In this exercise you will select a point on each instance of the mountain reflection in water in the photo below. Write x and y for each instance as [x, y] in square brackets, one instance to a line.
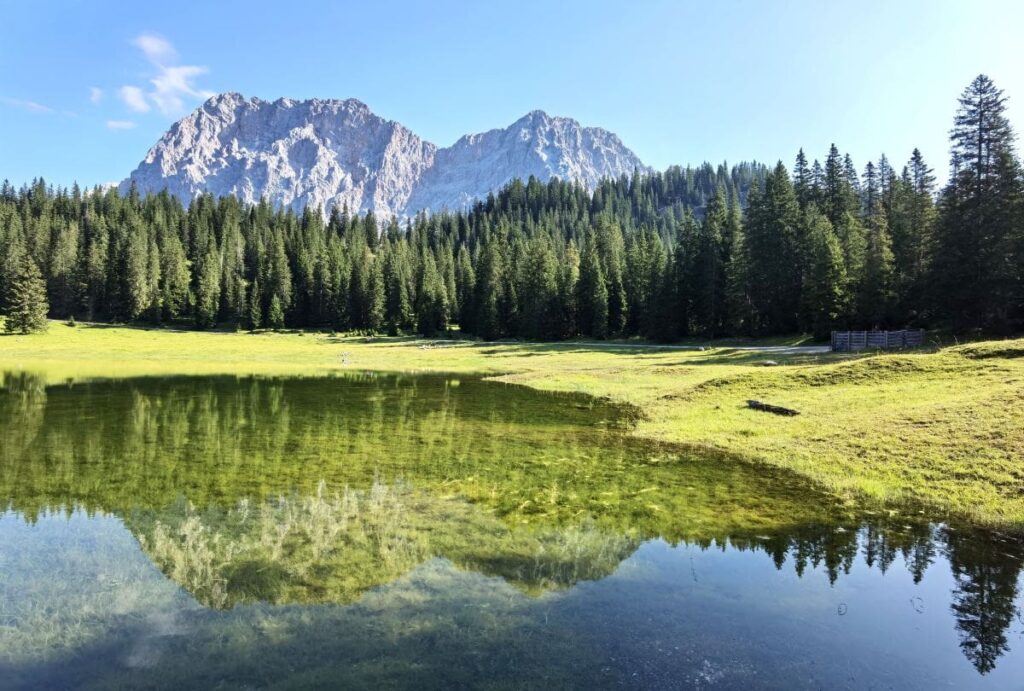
[430, 530]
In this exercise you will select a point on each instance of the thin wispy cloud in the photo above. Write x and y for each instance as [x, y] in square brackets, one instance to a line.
[157, 49]
[95, 94]
[30, 106]
[172, 85]
[134, 98]
[120, 124]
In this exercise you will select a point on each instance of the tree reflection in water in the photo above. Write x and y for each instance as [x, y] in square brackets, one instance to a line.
[314, 491]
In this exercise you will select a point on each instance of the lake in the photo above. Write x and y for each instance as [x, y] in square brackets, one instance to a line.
[440, 531]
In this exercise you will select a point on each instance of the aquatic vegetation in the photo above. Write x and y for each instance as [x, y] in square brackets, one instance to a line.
[331, 547]
[937, 427]
[259, 530]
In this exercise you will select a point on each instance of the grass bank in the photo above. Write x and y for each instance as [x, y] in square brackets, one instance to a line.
[943, 428]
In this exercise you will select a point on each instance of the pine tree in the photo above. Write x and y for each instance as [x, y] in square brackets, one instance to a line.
[398, 307]
[611, 249]
[911, 226]
[26, 296]
[593, 295]
[737, 287]
[153, 310]
[279, 282]
[431, 299]
[174, 275]
[208, 285]
[134, 283]
[465, 281]
[877, 289]
[539, 317]
[374, 296]
[62, 269]
[568, 290]
[487, 298]
[772, 255]
[255, 310]
[708, 272]
[233, 307]
[823, 276]
[976, 278]
[803, 184]
[275, 315]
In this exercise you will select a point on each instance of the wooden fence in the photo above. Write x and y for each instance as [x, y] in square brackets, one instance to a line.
[849, 341]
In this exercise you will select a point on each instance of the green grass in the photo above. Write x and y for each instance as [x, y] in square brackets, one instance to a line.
[942, 428]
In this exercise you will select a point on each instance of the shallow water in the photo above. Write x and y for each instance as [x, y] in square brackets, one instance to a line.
[435, 531]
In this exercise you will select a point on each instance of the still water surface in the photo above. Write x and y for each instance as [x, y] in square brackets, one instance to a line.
[433, 531]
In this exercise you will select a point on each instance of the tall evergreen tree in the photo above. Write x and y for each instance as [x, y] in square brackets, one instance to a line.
[465, 282]
[539, 316]
[912, 222]
[275, 315]
[771, 247]
[976, 277]
[803, 183]
[398, 307]
[255, 310]
[431, 298]
[877, 290]
[487, 299]
[708, 271]
[568, 291]
[593, 295]
[208, 285]
[823, 277]
[26, 301]
[611, 249]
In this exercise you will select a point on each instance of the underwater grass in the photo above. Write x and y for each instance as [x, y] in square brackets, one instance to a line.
[941, 428]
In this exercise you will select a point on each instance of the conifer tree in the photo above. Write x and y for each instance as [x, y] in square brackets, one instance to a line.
[254, 313]
[772, 251]
[911, 226]
[63, 269]
[465, 281]
[539, 316]
[737, 287]
[568, 290]
[610, 247]
[134, 282]
[26, 296]
[280, 273]
[374, 295]
[593, 295]
[398, 308]
[487, 298]
[803, 184]
[431, 299]
[208, 285]
[233, 305]
[823, 275]
[275, 315]
[877, 288]
[978, 235]
[174, 274]
[708, 272]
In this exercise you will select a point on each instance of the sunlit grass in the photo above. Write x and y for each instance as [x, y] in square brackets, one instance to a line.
[943, 428]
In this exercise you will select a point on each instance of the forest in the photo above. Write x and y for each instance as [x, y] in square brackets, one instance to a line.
[712, 251]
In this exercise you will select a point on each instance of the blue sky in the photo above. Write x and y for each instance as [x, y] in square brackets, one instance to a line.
[86, 87]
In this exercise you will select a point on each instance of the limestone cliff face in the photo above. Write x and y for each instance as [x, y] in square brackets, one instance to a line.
[326, 153]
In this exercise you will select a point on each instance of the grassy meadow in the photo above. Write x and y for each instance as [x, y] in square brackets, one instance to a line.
[942, 428]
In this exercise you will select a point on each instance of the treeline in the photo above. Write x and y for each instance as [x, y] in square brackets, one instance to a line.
[708, 251]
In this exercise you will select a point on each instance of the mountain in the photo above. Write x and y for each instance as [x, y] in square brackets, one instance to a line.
[338, 152]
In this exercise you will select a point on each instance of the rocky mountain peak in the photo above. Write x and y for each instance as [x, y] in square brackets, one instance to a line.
[328, 152]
